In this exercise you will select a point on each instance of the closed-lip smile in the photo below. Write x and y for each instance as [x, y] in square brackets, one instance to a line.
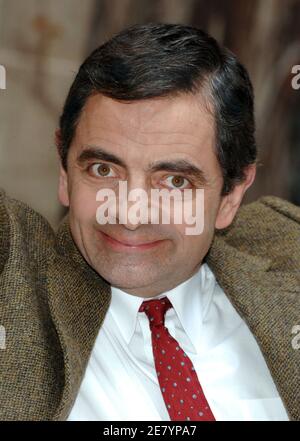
[133, 244]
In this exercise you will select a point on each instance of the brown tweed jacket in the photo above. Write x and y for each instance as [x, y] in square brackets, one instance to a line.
[52, 304]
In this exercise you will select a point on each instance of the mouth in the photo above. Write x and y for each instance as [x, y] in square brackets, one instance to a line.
[135, 245]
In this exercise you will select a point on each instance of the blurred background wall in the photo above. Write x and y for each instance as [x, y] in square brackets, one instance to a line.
[42, 44]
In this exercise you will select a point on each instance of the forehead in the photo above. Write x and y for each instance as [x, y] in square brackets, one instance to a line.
[148, 129]
[184, 114]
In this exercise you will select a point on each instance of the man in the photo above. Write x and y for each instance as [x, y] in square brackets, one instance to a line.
[129, 320]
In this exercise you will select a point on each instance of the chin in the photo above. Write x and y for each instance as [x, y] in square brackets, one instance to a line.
[129, 277]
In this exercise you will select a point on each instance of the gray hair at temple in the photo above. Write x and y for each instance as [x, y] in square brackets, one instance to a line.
[161, 60]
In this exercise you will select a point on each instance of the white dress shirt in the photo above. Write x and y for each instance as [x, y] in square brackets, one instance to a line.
[120, 382]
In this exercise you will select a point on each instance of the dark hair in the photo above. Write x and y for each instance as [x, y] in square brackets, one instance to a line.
[156, 60]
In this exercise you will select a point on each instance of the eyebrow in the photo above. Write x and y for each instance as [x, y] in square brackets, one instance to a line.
[181, 166]
[178, 166]
[99, 154]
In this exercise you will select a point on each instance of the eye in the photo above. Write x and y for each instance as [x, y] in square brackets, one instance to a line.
[101, 169]
[177, 182]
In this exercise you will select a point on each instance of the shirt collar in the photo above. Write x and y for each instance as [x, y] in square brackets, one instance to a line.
[190, 300]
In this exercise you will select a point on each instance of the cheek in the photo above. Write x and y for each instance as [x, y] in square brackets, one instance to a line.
[211, 205]
[199, 244]
[83, 204]
[196, 238]
[191, 246]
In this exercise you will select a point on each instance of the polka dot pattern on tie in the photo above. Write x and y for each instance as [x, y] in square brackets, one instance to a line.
[179, 384]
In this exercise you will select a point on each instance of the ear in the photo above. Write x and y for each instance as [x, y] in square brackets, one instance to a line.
[231, 202]
[63, 194]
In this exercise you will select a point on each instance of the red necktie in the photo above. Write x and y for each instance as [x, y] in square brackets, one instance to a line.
[177, 377]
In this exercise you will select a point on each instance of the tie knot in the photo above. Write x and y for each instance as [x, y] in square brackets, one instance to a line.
[155, 310]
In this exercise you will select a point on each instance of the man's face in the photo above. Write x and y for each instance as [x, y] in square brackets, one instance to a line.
[141, 137]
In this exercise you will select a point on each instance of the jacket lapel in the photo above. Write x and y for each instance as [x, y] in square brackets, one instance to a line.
[269, 302]
[78, 299]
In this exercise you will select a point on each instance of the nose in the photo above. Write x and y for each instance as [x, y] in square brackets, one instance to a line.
[133, 204]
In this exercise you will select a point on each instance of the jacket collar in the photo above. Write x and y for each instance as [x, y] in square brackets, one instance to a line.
[263, 297]
[79, 300]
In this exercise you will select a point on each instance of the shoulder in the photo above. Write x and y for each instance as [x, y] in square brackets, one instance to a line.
[269, 227]
[26, 244]
[31, 360]
[276, 210]
[22, 229]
